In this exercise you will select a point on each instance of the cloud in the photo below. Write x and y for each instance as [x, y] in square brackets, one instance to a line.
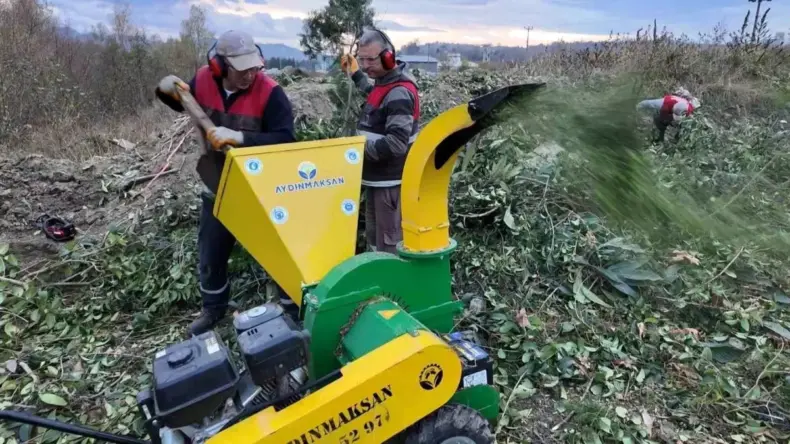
[389, 25]
[468, 2]
[262, 26]
[82, 15]
[484, 21]
[546, 14]
[276, 9]
[164, 17]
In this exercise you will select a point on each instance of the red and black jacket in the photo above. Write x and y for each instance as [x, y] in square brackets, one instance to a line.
[390, 121]
[667, 108]
[262, 111]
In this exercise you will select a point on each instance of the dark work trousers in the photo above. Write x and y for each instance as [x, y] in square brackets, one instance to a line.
[215, 244]
[662, 123]
[383, 218]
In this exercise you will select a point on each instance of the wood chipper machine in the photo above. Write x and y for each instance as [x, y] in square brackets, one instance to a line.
[373, 356]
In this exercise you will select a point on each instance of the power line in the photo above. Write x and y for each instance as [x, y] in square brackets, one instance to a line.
[528, 28]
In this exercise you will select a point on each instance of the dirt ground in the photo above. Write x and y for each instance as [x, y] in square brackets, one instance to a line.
[98, 193]
[92, 195]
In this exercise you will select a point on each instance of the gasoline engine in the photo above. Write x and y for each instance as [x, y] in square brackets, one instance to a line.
[198, 389]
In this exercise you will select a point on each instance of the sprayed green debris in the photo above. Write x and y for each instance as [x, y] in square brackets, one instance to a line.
[599, 125]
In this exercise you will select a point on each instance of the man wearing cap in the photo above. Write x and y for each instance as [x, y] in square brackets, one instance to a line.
[248, 109]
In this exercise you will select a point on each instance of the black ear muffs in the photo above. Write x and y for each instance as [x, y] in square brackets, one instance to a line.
[260, 51]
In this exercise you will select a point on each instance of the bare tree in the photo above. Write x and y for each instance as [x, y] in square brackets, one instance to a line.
[196, 36]
[758, 21]
[122, 27]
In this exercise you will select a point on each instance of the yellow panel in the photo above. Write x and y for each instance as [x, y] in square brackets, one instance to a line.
[388, 314]
[294, 206]
[378, 396]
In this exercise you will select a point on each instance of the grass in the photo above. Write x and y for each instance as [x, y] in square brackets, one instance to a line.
[69, 138]
[634, 292]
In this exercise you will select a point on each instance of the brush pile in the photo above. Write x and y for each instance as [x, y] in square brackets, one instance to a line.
[632, 292]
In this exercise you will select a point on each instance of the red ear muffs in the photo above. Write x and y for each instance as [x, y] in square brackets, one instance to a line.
[216, 64]
[387, 59]
[217, 67]
[387, 56]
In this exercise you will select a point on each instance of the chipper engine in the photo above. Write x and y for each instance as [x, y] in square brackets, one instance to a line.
[373, 356]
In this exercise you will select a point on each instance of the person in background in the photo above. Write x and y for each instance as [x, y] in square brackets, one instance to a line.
[390, 121]
[248, 109]
[670, 110]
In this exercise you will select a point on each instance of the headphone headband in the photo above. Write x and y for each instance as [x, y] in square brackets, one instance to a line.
[386, 39]
[218, 63]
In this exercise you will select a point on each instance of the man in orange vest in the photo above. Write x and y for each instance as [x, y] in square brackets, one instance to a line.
[248, 109]
[670, 110]
[390, 120]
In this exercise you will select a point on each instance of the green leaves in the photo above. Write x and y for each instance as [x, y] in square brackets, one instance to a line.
[508, 219]
[723, 352]
[777, 328]
[605, 424]
[621, 244]
[584, 294]
[52, 399]
[324, 30]
[625, 275]
[631, 271]
[781, 298]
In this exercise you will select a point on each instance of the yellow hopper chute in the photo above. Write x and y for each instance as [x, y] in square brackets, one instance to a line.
[294, 206]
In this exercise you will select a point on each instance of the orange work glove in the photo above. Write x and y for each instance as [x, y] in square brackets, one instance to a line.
[221, 136]
[348, 61]
[170, 84]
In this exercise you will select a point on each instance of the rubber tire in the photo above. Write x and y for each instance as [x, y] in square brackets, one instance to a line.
[452, 420]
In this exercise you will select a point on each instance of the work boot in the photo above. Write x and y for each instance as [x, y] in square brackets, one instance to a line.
[208, 320]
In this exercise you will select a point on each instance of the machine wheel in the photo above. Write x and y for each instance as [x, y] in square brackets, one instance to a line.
[451, 424]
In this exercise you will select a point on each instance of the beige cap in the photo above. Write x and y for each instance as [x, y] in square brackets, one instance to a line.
[239, 49]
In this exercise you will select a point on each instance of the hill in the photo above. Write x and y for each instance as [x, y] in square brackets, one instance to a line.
[281, 51]
[495, 53]
[270, 50]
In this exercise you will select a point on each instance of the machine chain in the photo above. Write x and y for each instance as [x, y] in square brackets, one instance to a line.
[351, 320]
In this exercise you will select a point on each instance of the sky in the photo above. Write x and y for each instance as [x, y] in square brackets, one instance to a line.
[462, 21]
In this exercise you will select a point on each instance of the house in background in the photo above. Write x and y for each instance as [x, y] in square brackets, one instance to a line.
[322, 63]
[425, 64]
[453, 60]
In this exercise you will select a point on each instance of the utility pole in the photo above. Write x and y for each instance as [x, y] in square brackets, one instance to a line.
[528, 28]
